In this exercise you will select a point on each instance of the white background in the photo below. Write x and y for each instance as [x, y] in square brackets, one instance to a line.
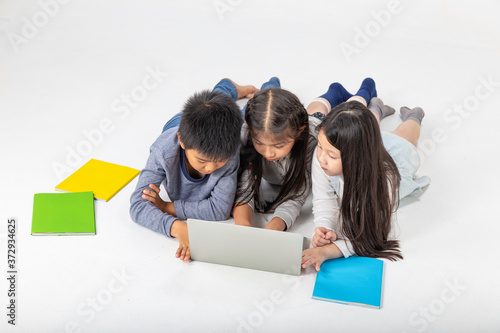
[65, 67]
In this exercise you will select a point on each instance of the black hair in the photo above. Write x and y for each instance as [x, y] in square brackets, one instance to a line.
[211, 124]
[371, 180]
[276, 111]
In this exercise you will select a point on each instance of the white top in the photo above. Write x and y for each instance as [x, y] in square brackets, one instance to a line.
[326, 206]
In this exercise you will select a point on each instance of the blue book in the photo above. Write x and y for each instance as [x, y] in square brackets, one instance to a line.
[353, 280]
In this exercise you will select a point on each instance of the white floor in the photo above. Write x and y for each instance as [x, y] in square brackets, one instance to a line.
[98, 79]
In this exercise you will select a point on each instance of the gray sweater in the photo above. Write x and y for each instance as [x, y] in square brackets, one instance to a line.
[273, 174]
[208, 198]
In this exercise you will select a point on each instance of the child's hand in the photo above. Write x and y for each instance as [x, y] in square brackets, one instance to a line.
[153, 195]
[314, 257]
[317, 255]
[179, 230]
[323, 236]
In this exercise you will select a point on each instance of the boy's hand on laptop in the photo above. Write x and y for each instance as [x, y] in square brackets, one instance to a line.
[153, 195]
[323, 236]
[179, 230]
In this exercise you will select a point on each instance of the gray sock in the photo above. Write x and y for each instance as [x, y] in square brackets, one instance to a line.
[416, 114]
[376, 105]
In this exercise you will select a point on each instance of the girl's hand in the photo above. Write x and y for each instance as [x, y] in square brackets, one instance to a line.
[314, 257]
[153, 195]
[323, 236]
[317, 255]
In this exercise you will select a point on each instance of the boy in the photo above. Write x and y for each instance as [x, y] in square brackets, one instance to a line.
[198, 160]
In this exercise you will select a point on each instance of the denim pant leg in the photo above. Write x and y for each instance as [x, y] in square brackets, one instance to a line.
[273, 82]
[224, 86]
[173, 122]
[227, 87]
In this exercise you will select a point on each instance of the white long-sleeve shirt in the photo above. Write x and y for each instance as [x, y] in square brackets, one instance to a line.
[326, 206]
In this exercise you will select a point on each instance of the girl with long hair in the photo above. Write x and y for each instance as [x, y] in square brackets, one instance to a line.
[278, 140]
[359, 175]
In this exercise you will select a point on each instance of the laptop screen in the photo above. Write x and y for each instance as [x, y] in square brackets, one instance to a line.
[228, 244]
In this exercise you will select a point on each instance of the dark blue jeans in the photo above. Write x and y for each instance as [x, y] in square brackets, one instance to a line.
[226, 87]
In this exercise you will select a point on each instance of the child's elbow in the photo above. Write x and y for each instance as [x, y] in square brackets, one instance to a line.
[221, 213]
[135, 210]
[224, 215]
[133, 213]
[220, 216]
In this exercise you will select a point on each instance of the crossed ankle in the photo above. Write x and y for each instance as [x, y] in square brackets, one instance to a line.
[416, 114]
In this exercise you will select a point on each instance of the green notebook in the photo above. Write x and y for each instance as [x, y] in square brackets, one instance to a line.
[63, 214]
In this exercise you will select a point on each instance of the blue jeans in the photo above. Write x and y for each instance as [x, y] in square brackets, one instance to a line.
[226, 87]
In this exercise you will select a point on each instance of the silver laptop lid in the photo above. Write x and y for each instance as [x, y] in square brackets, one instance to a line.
[228, 244]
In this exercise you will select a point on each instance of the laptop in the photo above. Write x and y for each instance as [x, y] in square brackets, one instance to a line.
[256, 248]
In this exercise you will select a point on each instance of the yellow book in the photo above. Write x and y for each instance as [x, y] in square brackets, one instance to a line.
[103, 178]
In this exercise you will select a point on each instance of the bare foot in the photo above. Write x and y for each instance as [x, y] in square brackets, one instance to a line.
[244, 91]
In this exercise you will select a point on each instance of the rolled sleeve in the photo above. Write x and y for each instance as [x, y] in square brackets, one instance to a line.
[345, 247]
